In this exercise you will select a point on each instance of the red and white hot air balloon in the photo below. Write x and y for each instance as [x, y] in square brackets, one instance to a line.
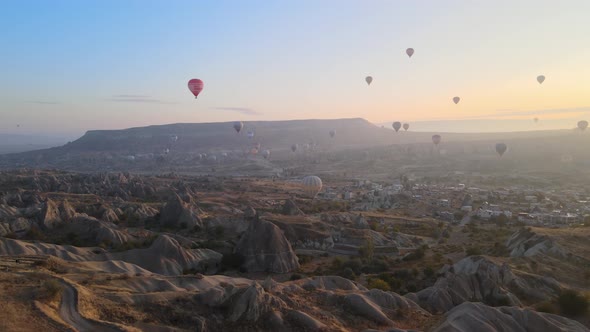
[196, 86]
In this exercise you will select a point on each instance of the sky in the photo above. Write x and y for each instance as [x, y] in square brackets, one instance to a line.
[71, 66]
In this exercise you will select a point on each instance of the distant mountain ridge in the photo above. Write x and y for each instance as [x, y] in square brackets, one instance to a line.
[185, 142]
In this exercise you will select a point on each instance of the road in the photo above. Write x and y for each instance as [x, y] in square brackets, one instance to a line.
[68, 311]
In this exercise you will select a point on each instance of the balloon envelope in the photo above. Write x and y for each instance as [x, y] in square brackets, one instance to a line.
[266, 154]
[536, 119]
[312, 185]
[396, 125]
[332, 133]
[456, 100]
[406, 126]
[501, 148]
[410, 52]
[540, 79]
[196, 86]
[583, 125]
[436, 139]
[369, 79]
[294, 147]
[238, 125]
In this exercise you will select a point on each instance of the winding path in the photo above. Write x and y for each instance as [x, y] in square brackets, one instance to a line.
[68, 311]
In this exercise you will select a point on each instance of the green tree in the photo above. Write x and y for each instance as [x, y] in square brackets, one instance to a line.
[367, 251]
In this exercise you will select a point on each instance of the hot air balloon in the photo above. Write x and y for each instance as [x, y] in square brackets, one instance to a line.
[501, 148]
[294, 147]
[332, 133]
[369, 79]
[396, 126]
[583, 125]
[250, 134]
[312, 185]
[456, 100]
[196, 86]
[436, 139]
[406, 126]
[536, 120]
[238, 125]
[266, 154]
[410, 52]
[540, 79]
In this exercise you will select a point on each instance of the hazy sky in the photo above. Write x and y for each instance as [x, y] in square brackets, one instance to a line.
[71, 66]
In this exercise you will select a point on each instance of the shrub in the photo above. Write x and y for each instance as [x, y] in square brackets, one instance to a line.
[375, 266]
[473, 251]
[348, 273]
[354, 264]
[415, 255]
[572, 304]
[547, 307]
[52, 288]
[232, 261]
[428, 272]
[336, 263]
[304, 259]
[368, 250]
[379, 284]
[296, 276]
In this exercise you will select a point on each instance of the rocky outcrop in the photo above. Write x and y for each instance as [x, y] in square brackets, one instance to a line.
[49, 216]
[477, 278]
[266, 248]
[360, 222]
[66, 211]
[291, 209]
[526, 243]
[252, 304]
[165, 256]
[109, 215]
[177, 213]
[469, 317]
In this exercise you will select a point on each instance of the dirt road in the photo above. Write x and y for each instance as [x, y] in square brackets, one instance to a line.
[68, 311]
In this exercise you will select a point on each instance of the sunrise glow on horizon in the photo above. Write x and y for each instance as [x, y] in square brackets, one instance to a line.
[70, 66]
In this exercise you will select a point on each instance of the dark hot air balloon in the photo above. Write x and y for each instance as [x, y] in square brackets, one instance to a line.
[436, 139]
[501, 148]
[238, 125]
[396, 126]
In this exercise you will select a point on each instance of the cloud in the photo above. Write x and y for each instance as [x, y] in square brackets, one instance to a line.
[44, 102]
[243, 110]
[126, 98]
[131, 96]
